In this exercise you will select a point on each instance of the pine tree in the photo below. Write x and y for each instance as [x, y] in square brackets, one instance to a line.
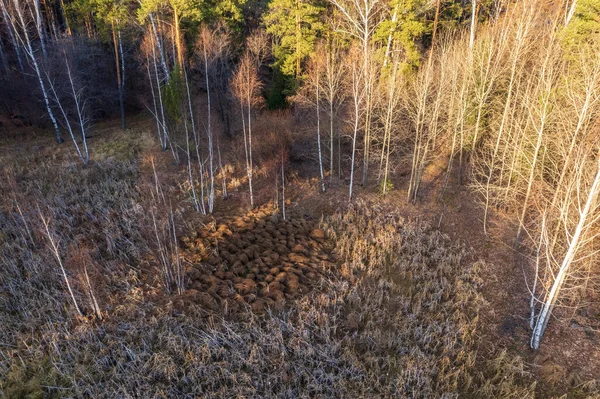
[295, 24]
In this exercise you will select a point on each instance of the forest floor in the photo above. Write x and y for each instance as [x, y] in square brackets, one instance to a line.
[240, 263]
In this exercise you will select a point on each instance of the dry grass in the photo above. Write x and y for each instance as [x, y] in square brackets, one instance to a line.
[398, 317]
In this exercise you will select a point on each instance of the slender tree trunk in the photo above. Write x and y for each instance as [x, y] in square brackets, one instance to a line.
[356, 100]
[50, 18]
[156, 113]
[202, 206]
[434, 33]
[178, 41]
[67, 122]
[298, 39]
[56, 253]
[79, 109]
[583, 119]
[387, 136]
[222, 169]
[187, 144]
[118, 70]
[505, 113]
[331, 143]
[122, 56]
[356, 116]
[419, 147]
[165, 136]
[10, 27]
[189, 164]
[550, 301]
[571, 12]
[530, 180]
[319, 133]
[39, 24]
[160, 47]
[368, 98]
[65, 18]
[546, 77]
[282, 188]
[211, 194]
[31, 55]
[473, 23]
[388, 45]
[250, 166]
[3, 58]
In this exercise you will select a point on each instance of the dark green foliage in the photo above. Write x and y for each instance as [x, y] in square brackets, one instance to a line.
[173, 95]
[281, 86]
[295, 25]
[584, 26]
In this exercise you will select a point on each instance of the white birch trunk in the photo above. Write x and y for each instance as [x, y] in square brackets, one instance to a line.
[165, 134]
[31, 55]
[319, 134]
[211, 193]
[56, 253]
[160, 47]
[79, 109]
[473, 24]
[10, 27]
[250, 166]
[39, 24]
[282, 189]
[571, 12]
[550, 300]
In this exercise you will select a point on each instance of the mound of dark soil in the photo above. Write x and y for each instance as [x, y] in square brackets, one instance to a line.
[255, 260]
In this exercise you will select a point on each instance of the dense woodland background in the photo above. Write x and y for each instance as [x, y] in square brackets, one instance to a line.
[229, 113]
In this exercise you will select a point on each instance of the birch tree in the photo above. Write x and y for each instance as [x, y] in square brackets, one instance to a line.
[362, 19]
[310, 95]
[20, 10]
[158, 111]
[10, 27]
[540, 107]
[211, 45]
[390, 105]
[519, 44]
[246, 89]
[333, 94]
[56, 252]
[358, 93]
[295, 25]
[587, 216]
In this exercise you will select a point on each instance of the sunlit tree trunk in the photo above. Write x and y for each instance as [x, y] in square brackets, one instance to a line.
[187, 142]
[570, 12]
[574, 246]
[540, 106]
[318, 109]
[516, 52]
[473, 23]
[178, 41]
[65, 18]
[209, 132]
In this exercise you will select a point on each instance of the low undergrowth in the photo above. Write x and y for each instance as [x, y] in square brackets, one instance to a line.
[397, 318]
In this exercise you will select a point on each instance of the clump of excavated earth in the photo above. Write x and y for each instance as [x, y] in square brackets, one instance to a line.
[257, 260]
